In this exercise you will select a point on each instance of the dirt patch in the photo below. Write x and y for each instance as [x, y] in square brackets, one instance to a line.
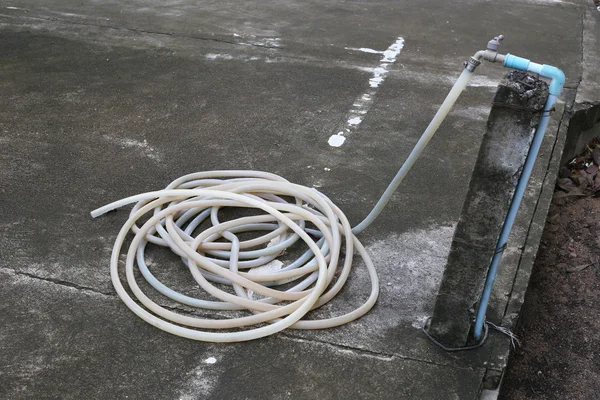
[560, 321]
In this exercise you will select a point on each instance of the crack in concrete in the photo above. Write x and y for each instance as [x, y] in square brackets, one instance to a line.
[72, 285]
[288, 336]
[340, 347]
[143, 31]
[368, 353]
[64, 283]
[57, 281]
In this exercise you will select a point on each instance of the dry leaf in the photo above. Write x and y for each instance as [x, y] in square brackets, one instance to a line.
[578, 268]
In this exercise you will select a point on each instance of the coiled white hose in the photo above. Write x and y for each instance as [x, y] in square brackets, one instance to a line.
[190, 200]
[216, 256]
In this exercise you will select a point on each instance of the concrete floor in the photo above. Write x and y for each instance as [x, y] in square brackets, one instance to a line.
[101, 100]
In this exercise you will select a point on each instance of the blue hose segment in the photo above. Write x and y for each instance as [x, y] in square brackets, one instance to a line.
[557, 76]
[512, 212]
[515, 62]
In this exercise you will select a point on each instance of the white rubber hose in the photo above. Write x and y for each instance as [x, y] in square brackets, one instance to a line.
[217, 259]
[192, 199]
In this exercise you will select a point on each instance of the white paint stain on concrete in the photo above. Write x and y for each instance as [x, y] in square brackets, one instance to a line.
[389, 56]
[364, 50]
[354, 121]
[477, 113]
[264, 42]
[336, 140]
[550, 2]
[364, 101]
[213, 56]
[379, 74]
[73, 15]
[199, 383]
[210, 360]
[220, 56]
[142, 146]
[482, 81]
[446, 81]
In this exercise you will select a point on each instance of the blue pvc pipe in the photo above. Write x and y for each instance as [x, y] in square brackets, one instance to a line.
[558, 79]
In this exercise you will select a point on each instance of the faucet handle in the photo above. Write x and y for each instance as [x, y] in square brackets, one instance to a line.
[495, 43]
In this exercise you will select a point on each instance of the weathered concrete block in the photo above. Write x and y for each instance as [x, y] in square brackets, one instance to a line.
[514, 116]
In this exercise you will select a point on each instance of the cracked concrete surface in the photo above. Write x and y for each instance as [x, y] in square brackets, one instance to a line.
[104, 99]
[57, 282]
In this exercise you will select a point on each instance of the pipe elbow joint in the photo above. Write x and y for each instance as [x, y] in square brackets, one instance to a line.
[557, 76]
